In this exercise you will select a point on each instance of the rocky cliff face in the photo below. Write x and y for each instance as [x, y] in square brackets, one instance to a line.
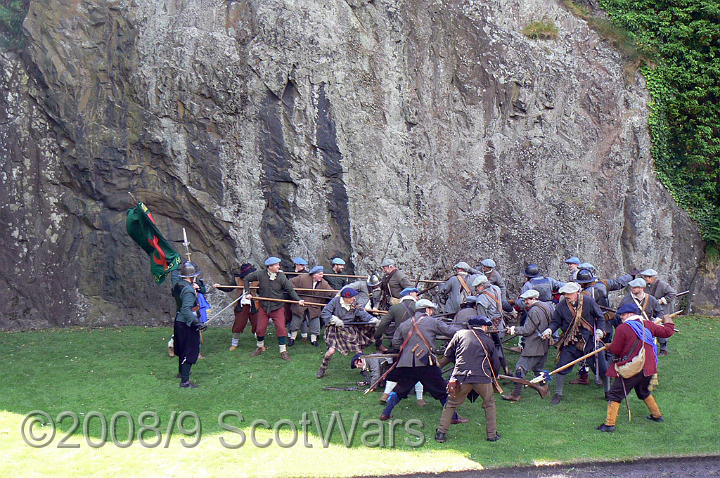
[427, 131]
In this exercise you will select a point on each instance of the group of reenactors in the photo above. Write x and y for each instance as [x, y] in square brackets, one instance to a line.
[476, 316]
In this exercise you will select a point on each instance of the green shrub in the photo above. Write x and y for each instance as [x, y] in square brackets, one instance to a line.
[682, 38]
[544, 29]
[12, 14]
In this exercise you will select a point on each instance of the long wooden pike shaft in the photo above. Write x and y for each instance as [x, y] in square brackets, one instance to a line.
[570, 364]
[296, 288]
[270, 299]
[350, 276]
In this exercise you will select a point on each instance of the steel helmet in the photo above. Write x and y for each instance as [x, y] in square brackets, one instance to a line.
[584, 276]
[189, 269]
[373, 280]
[532, 270]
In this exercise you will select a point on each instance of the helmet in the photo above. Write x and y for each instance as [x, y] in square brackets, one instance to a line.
[532, 270]
[189, 269]
[373, 280]
[584, 276]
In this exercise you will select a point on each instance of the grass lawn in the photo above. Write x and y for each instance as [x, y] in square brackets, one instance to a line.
[261, 416]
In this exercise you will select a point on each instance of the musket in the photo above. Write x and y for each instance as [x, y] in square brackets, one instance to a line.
[542, 390]
[543, 377]
[381, 356]
[682, 293]
[344, 389]
[434, 283]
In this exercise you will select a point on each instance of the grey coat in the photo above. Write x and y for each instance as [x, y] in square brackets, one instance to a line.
[455, 293]
[429, 327]
[538, 319]
[334, 307]
[660, 289]
[488, 306]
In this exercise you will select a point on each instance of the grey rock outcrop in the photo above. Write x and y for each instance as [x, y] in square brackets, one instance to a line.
[427, 131]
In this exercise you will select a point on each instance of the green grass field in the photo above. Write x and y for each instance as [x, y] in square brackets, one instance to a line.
[261, 416]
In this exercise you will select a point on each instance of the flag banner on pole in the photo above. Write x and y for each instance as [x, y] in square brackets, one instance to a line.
[141, 227]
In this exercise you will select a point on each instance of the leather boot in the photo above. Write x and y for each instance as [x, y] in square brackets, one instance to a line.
[583, 379]
[655, 414]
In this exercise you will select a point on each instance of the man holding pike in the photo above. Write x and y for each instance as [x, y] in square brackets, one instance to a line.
[311, 280]
[583, 325]
[272, 284]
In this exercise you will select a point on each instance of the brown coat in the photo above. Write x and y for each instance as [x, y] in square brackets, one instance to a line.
[305, 281]
[397, 282]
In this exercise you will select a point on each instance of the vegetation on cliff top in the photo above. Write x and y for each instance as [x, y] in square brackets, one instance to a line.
[12, 14]
[681, 38]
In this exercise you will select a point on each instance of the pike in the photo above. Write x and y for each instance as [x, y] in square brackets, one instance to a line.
[287, 301]
[542, 390]
[544, 377]
[349, 276]
[296, 288]
[186, 243]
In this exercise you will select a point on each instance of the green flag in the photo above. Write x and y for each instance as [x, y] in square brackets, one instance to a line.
[141, 227]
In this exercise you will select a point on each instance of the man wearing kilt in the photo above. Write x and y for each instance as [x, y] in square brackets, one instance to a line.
[186, 330]
[341, 334]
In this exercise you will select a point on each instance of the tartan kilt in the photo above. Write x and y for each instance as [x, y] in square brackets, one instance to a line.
[351, 338]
